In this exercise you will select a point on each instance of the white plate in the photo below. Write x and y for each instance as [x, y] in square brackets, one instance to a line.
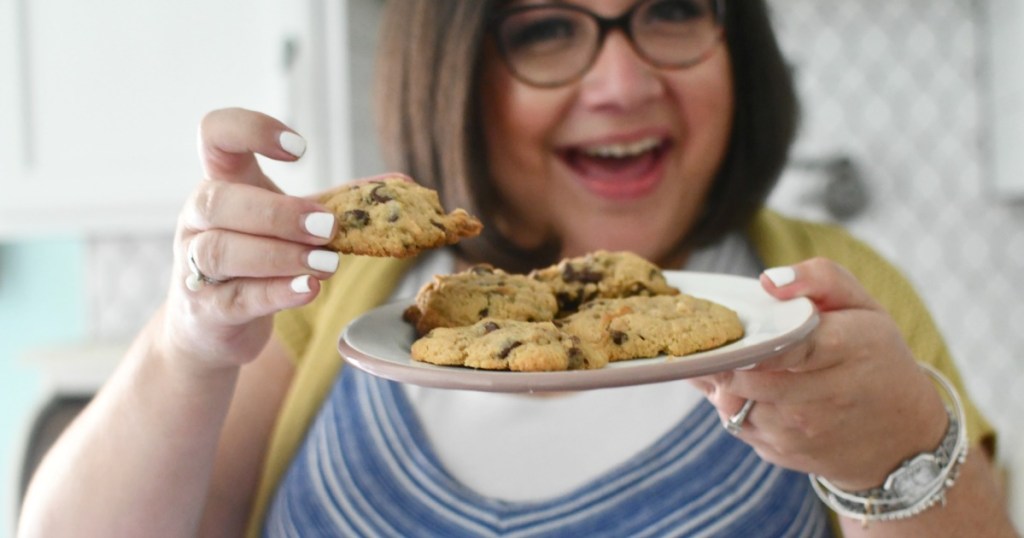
[379, 341]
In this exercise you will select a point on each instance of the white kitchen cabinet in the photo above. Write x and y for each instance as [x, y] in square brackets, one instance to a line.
[100, 102]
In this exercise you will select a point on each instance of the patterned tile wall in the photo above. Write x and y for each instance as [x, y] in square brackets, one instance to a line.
[896, 87]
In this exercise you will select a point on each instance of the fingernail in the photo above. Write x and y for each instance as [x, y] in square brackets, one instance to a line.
[320, 224]
[323, 260]
[300, 284]
[292, 143]
[781, 276]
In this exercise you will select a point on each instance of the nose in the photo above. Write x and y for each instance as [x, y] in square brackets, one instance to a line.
[619, 79]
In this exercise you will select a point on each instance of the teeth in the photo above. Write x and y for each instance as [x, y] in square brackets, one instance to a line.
[620, 151]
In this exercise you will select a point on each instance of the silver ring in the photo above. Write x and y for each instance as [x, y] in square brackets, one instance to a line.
[196, 280]
[735, 422]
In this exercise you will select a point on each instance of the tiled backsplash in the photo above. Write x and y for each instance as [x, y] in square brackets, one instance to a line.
[127, 277]
[896, 87]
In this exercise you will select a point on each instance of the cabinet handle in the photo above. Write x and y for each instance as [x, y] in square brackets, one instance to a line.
[24, 71]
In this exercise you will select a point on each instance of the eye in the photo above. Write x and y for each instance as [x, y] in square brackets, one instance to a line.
[535, 31]
[675, 11]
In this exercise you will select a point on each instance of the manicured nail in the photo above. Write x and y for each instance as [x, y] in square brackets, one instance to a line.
[300, 284]
[781, 276]
[320, 224]
[292, 143]
[323, 260]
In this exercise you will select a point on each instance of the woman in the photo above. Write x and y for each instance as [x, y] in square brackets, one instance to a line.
[568, 127]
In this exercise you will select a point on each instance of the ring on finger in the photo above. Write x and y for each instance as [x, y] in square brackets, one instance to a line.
[196, 280]
[734, 423]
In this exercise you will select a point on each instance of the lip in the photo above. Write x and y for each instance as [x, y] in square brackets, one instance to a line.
[628, 181]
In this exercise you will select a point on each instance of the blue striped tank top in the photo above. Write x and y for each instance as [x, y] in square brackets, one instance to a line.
[367, 469]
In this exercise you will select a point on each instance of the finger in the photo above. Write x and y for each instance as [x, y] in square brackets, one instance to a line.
[783, 387]
[726, 402]
[230, 138]
[253, 210]
[224, 255]
[242, 300]
[827, 284]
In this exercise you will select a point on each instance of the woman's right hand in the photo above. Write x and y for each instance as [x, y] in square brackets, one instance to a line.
[263, 246]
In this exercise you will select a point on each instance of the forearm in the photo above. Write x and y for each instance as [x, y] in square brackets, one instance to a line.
[974, 507]
[138, 460]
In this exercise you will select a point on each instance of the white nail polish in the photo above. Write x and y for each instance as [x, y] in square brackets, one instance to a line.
[781, 276]
[292, 143]
[320, 224]
[300, 284]
[323, 260]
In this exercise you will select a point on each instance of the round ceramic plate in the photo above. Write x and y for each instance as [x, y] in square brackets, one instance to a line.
[379, 341]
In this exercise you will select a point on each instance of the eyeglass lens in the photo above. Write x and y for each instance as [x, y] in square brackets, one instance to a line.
[549, 45]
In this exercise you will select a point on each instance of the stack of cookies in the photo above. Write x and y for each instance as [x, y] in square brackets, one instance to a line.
[578, 314]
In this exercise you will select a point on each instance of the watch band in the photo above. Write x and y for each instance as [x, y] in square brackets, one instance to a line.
[918, 484]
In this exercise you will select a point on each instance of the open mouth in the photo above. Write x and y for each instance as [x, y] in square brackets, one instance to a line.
[620, 169]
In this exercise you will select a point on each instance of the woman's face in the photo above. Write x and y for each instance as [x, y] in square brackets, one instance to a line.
[621, 159]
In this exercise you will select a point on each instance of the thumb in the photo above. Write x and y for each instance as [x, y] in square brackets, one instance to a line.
[826, 283]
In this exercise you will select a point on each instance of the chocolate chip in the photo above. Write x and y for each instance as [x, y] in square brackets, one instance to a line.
[379, 197]
[483, 312]
[507, 348]
[490, 327]
[585, 275]
[619, 337]
[567, 302]
[355, 218]
[577, 359]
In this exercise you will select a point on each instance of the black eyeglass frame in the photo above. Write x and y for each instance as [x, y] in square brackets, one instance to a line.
[604, 26]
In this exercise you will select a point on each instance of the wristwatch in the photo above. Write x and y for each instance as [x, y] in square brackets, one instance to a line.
[913, 479]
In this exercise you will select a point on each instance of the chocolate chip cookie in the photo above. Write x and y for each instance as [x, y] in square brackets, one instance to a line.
[480, 292]
[602, 274]
[394, 217]
[637, 327]
[520, 346]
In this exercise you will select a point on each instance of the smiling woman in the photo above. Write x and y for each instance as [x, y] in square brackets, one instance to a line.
[758, 136]
[235, 401]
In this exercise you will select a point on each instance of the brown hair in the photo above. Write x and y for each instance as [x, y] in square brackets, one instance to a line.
[429, 114]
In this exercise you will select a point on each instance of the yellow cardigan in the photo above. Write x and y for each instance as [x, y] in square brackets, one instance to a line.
[311, 333]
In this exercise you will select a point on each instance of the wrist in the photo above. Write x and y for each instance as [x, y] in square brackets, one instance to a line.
[917, 484]
[182, 358]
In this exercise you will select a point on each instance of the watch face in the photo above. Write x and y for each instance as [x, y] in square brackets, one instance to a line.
[913, 480]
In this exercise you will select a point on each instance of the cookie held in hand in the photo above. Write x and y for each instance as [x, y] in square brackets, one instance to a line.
[394, 217]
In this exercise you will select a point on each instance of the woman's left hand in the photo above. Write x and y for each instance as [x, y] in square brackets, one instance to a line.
[849, 402]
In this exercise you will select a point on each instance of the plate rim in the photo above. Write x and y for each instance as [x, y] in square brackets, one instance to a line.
[640, 371]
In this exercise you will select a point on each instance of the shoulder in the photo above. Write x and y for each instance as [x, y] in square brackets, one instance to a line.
[782, 240]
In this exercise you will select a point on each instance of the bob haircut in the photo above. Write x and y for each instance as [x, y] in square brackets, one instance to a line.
[428, 110]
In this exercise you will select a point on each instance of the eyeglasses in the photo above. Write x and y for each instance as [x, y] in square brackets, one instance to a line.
[554, 44]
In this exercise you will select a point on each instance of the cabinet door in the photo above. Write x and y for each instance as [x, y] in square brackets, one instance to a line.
[1004, 32]
[100, 103]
